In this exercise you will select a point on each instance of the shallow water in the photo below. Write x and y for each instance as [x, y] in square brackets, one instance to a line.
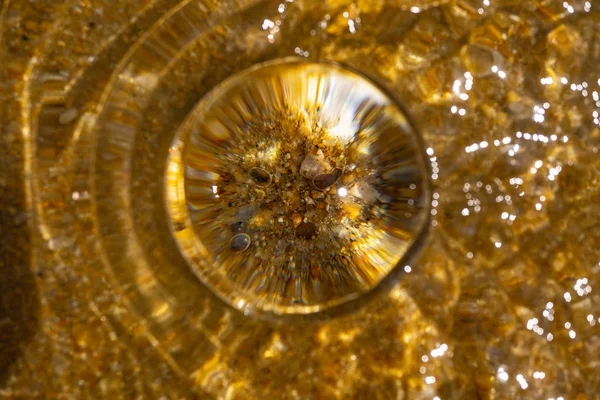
[99, 298]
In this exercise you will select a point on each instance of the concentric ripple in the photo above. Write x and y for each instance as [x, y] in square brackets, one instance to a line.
[296, 186]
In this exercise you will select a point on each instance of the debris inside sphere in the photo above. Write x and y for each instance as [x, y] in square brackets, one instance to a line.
[323, 181]
[261, 177]
[240, 242]
[306, 230]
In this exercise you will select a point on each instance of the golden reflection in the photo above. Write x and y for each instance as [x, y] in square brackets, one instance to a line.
[98, 297]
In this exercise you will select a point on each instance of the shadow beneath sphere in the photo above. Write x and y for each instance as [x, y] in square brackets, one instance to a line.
[19, 299]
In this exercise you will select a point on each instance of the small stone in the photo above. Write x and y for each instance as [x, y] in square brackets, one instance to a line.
[347, 179]
[261, 177]
[352, 210]
[296, 219]
[68, 116]
[306, 230]
[240, 242]
[365, 191]
[341, 231]
[263, 218]
[323, 181]
[316, 194]
[245, 213]
[313, 165]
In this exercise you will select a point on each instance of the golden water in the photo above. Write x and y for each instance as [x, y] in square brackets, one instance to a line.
[102, 297]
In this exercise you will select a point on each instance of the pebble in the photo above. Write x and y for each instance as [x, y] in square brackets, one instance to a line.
[296, 219]
[306, 230]
[323, 181]
[313, 165]
[365, 191]
[245, 213]
[240, 242]
[261, 177]
[68, 116]
[317, 194]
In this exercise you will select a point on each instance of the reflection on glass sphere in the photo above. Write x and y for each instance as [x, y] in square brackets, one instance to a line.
[304, 186]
